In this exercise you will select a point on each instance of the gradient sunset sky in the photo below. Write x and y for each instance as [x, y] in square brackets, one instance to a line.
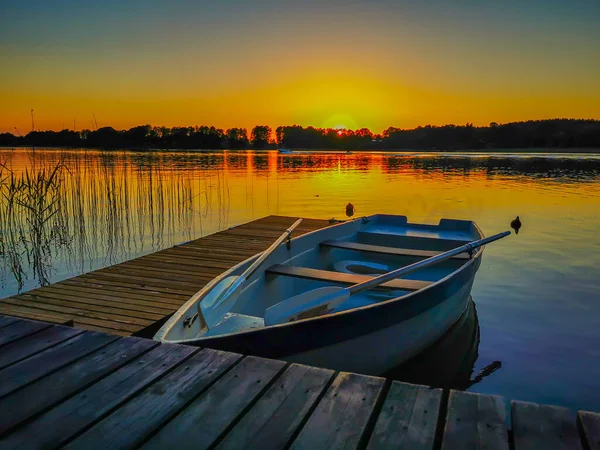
[323, 63]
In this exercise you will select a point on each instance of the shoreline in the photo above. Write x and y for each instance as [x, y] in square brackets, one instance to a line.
[531, 151]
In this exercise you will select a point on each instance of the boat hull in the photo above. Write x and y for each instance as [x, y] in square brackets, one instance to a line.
[370, 340]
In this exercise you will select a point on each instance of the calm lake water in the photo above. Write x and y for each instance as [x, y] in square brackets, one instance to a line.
[536, 296]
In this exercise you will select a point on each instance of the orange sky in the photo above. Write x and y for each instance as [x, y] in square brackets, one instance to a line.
[387, 64]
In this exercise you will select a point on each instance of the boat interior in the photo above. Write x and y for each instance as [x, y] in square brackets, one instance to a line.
[331, 258]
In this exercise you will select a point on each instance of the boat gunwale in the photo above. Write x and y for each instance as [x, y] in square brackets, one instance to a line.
[198, 296]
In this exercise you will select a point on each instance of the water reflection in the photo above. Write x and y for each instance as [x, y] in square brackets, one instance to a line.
[450, 361]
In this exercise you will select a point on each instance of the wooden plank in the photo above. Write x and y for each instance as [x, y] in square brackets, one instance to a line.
[21, 374]
[125, 289]
[143, 282]
[215, 251]
[192, 264]
[408, 418]
[388, 250]
[178, 270]
[475, 421]
[341, 417]
[88, 304]
[66, 307]
[197, 264]
[127, 428]
[77, 322]
[343, 278]
[224, 247]
[91, 297]
[542, 426]
[68, 419]
[20, 329]
[101, 319]
[277, 415]
[205, 247]
[218, 407]
[47, 391]
[186, 278]
[128, 282]
[30, 345]
[84, 326]
[151, 279]
[589, 424]
[33, 314]
[4, 321]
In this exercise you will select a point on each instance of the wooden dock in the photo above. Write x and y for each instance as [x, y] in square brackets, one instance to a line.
[67, 387]
[132, 297]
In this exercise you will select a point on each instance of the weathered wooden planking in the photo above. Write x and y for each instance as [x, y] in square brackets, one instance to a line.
[542, 426]
[128, 282]
[34, 314]
[79, 300]
[66, 420]
[341, 417]
[589, 424]
[127, 428]
[180, 280]
[205, 419]
[43, 393]
[111, 394]
[475, 421]
[19, 329]
[277, 415]
[150, 279]
[124, 290]
[32, 344]
[195, 264]
[51, 314]
[143, 303]
[31, 369]
[76, 311]
[408, 418]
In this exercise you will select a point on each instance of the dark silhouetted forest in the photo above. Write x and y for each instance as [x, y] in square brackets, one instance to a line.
[553, 133]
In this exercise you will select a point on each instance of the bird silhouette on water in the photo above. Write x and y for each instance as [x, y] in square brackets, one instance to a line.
[349, 209]
[516, 225]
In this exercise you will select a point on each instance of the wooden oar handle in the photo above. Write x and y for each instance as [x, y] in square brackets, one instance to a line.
[373, 282]
[256, 264]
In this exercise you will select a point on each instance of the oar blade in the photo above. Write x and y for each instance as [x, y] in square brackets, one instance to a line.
[215, 305]
[308, 304]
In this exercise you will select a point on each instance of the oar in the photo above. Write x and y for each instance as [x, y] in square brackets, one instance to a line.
[323, 300]
[230, 287]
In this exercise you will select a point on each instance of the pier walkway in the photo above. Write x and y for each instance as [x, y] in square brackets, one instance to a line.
[67, 387]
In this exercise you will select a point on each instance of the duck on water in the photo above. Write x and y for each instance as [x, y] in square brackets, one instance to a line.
[334, 297]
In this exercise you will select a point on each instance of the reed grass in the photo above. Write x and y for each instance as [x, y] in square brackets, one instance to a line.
[77, 211]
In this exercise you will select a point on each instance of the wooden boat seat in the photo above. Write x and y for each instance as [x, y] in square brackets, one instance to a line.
[387, 250]
[343, 278]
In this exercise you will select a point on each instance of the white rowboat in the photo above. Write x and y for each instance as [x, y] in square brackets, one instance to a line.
[332, 298]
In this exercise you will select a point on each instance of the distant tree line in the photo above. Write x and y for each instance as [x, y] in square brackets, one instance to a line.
[552, 133]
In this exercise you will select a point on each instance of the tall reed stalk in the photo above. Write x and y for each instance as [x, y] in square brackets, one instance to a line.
[31, 225]
[70, 212]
